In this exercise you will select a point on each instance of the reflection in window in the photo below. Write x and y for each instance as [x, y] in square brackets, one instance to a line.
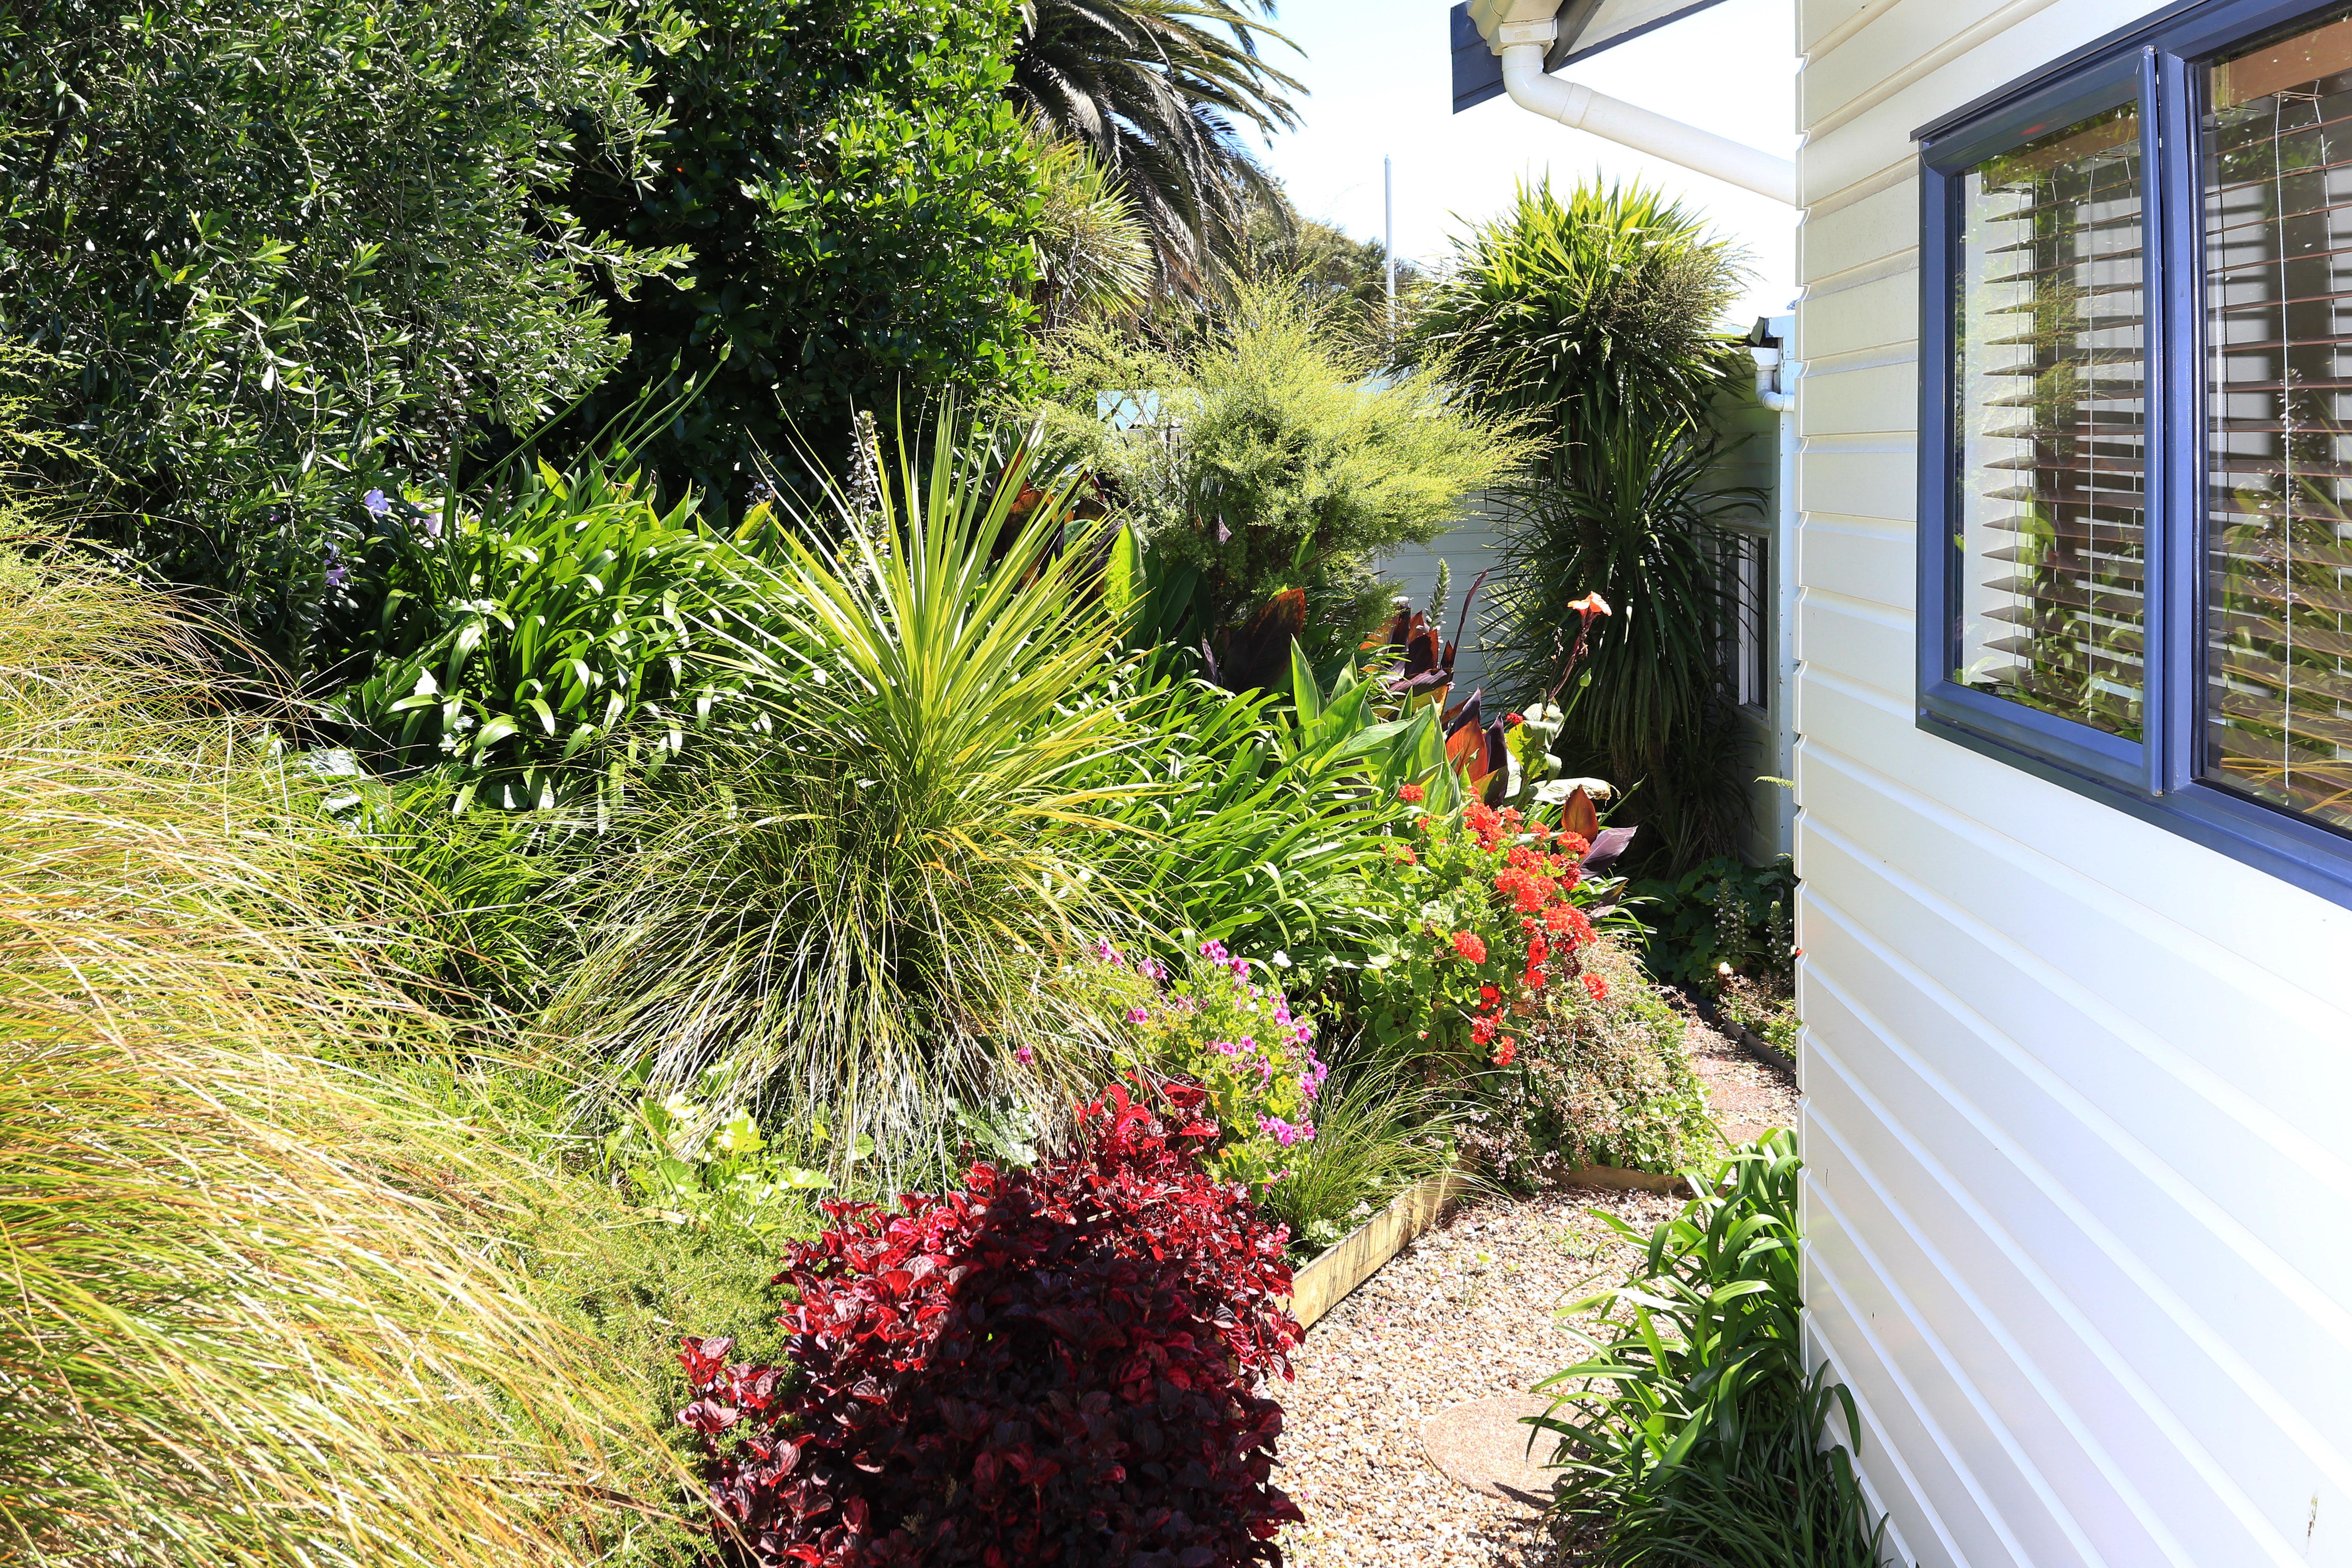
[2278, 303]
[2051, 420]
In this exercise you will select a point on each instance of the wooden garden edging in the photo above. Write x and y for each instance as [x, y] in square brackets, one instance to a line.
[1324, 1283]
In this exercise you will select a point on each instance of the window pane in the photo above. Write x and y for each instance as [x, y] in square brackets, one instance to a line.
[2278, 303]
[2051, 420]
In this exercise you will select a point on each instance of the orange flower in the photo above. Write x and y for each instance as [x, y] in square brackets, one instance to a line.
[1590, 605]
[1596, 988]
[1411, 793]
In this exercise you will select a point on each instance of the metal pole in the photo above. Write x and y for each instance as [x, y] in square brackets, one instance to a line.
[1387, 238]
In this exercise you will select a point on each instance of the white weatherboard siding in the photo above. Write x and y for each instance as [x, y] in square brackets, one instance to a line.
[2079, 1124]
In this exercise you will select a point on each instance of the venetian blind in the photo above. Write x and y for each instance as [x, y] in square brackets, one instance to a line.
[2278, 307]
[2051, 366]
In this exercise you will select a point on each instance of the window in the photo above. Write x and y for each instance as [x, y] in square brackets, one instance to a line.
[1748, 634]
[2136, 472]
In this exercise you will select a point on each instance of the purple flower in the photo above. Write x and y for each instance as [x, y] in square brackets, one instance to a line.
[432, 525]
[338, 574]
[374, 501]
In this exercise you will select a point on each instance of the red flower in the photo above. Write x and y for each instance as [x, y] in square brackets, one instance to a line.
[1482, 1030]
[1503, 1055]
[1411, 793]
[1469, 944]
[1514, 719]
[1596, 988]
[1488, 996]
[1481, 819]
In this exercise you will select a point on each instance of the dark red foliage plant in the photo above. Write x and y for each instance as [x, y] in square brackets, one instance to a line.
[1059, 1367]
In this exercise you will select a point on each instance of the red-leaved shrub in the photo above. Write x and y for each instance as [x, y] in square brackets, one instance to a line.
[1051, 1366]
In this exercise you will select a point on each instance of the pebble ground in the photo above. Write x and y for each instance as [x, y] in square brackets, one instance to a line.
[1467, 1312]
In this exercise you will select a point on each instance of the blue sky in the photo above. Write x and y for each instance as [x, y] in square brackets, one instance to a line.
[1380, 74]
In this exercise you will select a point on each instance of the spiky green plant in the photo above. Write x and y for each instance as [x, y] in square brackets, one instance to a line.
[1697, 1435]
[1599, 305]
[1093, 250]
[880, 913]
[254, 1315]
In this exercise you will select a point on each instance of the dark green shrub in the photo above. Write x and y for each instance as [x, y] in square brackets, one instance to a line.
[1723, 917]
[860, 200]
[284, 252]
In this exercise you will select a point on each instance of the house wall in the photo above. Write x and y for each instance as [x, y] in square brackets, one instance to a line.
[2078, 1087]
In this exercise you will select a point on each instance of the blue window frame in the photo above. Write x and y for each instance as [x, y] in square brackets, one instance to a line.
[2135, 568]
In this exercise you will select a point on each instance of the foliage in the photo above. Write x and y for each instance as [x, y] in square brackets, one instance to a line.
[1239, 1043]
[1722, 917]
[1094, 252]
[1597, 311]
[1600, 1079]
[1695, 1435]
[693, 1164]
[568, 627]
[255, 1297]
[1485, 925]
[868, 918]
[860, 200]
[1633, 517]
[493, 899]
[1162, 91]
[1276, 458]
[286, 250]
[1261, 824]
[1049, 1365]
[1377, 1130]
[1327, 264]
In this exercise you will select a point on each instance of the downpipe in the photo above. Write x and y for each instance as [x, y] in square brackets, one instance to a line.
[1578, 106]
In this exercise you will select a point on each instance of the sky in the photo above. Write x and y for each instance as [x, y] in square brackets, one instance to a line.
[1379, 78]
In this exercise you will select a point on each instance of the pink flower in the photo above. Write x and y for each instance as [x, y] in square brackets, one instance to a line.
[1138, 1015]
[1214, 950]
[1108, 954]
[1024, 1056]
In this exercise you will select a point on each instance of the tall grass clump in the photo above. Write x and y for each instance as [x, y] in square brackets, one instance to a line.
[252, 1313]
[1696, 1436]
[882, 913]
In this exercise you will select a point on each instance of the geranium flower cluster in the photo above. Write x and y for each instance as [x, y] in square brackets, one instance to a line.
[1495, 924]
[1238, 1040]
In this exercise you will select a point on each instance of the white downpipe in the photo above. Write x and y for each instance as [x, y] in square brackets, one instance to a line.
[1575, 105]
[1776, 377]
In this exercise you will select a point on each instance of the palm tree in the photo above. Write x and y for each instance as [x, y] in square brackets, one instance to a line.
[1162, 93]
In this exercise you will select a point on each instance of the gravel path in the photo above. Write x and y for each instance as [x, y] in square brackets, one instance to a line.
[1464, 1313]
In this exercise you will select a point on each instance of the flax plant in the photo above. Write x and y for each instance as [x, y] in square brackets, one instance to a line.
[883, 912]
[252, 1313]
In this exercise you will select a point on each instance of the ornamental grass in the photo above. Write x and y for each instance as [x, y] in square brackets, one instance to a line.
[253, 1313]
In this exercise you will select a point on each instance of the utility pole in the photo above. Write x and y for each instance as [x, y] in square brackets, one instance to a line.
[1387, 238]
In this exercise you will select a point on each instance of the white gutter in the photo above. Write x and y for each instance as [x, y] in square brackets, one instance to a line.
[1522, 45]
